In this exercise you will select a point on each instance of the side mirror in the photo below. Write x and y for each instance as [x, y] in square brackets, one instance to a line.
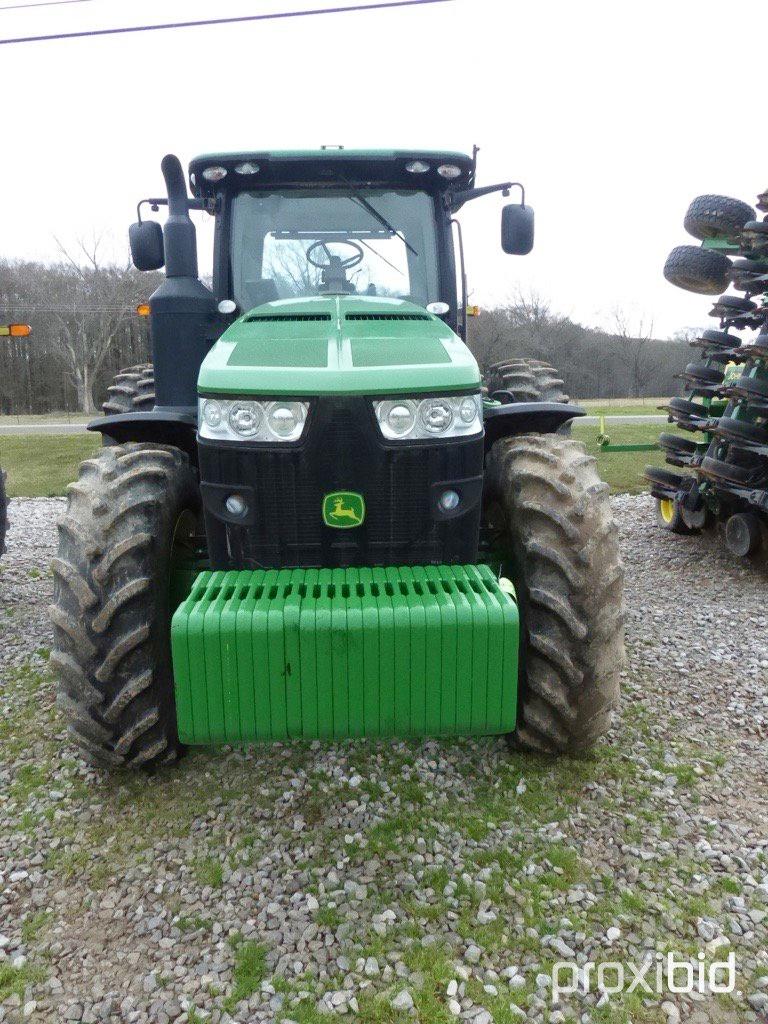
[517, 229]
[147, 249]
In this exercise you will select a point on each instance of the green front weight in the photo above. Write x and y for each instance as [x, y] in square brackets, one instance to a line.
[270, 655]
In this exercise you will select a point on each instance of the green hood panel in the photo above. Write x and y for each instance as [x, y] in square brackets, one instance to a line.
[338, 344]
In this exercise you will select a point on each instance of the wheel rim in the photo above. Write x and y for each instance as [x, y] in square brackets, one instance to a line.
[667, 509]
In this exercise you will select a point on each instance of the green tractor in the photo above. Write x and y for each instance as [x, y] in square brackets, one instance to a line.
[306, 521]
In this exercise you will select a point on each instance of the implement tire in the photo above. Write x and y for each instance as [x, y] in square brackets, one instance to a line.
[132, 390]
[716, 217]
[693, 269]
[111, 607]
[3, 512]
[549, 510]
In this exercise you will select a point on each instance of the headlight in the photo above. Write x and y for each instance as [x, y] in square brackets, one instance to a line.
[244, 419]
[396, 418]
[449, 416]
[436, 415]
[286, 420]
[211, 413]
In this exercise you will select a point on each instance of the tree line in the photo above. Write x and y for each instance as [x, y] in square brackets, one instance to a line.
[624, 361]
[85, 329]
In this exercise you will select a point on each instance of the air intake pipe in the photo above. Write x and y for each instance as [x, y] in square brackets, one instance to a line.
[184, 321]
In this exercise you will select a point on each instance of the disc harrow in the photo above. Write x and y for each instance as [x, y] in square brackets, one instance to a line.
[725, 389]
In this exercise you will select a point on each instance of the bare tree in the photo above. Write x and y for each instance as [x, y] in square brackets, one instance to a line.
[89, 304]
[635, 351]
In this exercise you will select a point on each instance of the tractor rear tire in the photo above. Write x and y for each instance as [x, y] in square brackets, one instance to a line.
[111, 608]
[529, 380]
[716, 217]
[703, 271]
[3, 512]
[550, 512]
[132, 390]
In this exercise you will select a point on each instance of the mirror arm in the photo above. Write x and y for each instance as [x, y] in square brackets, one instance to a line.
[155, 204]
[453, 200]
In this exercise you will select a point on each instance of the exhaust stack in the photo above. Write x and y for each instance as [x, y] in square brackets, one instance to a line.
[184, 321]
[179, 231]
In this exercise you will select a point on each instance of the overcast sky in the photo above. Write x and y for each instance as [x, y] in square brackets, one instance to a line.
[613, 114]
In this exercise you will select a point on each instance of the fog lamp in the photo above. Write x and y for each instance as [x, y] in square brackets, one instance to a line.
[236, 505]
[449, 500]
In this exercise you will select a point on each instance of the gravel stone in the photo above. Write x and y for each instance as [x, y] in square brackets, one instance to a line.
[403, 1001]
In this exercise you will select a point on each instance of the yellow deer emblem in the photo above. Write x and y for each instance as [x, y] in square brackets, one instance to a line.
[343, 505]
[340, 510]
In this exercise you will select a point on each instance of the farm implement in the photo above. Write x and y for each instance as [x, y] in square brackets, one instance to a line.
[725, 407]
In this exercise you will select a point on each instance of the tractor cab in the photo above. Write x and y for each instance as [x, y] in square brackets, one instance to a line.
[333, 221]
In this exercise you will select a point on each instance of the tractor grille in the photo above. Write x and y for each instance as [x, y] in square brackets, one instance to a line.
[342, 451]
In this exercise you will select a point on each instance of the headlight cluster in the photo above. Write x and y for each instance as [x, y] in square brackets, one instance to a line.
[417, 419]
[241, 419]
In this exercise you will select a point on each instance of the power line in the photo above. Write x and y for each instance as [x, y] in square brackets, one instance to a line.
[220, 21]
[46, 3]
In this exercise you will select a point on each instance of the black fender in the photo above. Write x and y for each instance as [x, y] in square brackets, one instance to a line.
[526, 417]
[177, 427]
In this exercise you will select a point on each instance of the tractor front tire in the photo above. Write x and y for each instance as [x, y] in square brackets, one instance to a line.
[132, 390]
[548, 511]
[112, 610]
[3, 512]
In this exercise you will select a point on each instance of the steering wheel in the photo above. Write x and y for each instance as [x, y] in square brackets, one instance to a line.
[344, 264]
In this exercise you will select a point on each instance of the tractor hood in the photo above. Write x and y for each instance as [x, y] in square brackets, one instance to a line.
[338, 344]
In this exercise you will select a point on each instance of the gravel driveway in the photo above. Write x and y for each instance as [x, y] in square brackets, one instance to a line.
[429, 881]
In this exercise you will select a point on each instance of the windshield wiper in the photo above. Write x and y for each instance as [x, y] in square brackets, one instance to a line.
[362, 201]
[377, 253]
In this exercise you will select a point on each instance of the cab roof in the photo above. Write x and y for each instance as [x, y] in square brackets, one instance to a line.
[385, 167]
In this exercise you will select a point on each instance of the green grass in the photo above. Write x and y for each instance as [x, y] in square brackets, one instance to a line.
[46, 417]
[209, 871]
[33, 926]
[621, 406]
[42, 466]
[249, 971]
[624, 470]
[14, 980]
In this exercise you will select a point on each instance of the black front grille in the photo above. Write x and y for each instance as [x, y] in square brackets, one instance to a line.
[342, 451]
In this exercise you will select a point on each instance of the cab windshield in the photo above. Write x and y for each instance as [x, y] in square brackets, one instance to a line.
[300, 242]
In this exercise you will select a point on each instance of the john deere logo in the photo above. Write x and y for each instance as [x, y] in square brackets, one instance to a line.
[343, 509]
